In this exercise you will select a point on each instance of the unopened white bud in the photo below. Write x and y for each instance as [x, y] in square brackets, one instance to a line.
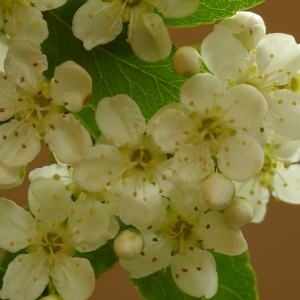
[52, 297]
[246, 26]
[128, 244]
[186, 61]
[217, 191]
[240, 212]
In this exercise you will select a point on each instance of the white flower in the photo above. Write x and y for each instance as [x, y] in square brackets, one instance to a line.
[89, 221]
[98, 22]
[183, 241]
[49, 247]
[271, 65]
[23, 18]
[279, 175]
[128, 155]
[246, 26]
[38, 107]
[207, 124]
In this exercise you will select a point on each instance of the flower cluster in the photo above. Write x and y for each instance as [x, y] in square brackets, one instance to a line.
[99, 22]
[183, 183]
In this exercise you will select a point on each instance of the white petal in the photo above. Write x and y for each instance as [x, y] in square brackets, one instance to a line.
[11, 177]
[9, 104]
[171, 129]
[16, 226]
[19, 143]
[94, 223]
[100, 168]
[220, 235]
[240, 157]
[283, 114]
[285, 53]
[184, 196]
[49, 216]
[71, 86]
[25, 64]
[284, 149]
[97, 23]
[42, 5]
[73, 277]
[195, 273]
[50, 171]
[245, 106]
[27, 23]
[120, 120]
[150, 41]
[25, 278]
[192, 162]
[176, 8]
[248, 27]
[140, 206]
[50, 192]
[4, 42]
[224, 55]
[66, 130]
[201, 93]
[155, 257]
[286, 184]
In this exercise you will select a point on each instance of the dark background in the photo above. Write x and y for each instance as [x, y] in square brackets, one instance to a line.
[274, 244]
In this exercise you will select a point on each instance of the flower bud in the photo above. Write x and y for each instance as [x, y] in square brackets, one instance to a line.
[217, 191]
[128, 244]
[11, 177]
[246, 26]
[52, 297]
[240, 212]
[186, 61]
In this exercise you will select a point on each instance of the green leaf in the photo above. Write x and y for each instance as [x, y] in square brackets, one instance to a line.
[101, 259]
[113, 67]
[210, 11]
[237, 281]
[2, 273]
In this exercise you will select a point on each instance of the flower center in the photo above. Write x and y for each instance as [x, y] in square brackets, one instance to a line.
[210, 128]
[269, 167]
[143, 157]
[132, 3]
[52, 243]
[179, 230]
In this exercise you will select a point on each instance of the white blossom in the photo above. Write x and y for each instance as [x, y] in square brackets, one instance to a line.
[268, 67]
[50, 247]
[38, 107]
[183, 240]
[208, 123]
[279, 175]
[98, 22]
[90, 222]
[23, 18]
[129, 162]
